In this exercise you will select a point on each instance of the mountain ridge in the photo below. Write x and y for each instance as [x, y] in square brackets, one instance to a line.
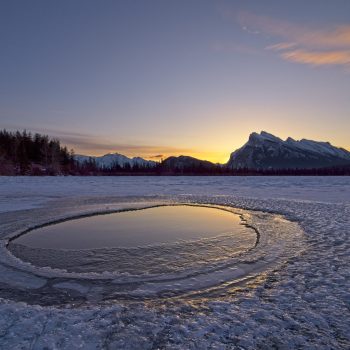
[110, 160]
[185, 162]
[22, 153]
[262, 151]
[266, 151]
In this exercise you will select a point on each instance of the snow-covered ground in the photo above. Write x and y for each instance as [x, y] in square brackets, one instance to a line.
[290, 291]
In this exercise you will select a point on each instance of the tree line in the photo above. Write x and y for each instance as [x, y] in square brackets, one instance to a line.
[23, 153]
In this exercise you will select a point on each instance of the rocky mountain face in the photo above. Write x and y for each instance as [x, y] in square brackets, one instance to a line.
[111, 159]
[266, 151]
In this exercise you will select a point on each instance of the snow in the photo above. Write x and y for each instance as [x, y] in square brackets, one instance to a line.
[291, 291]
[71, 285]
[18, 193]
[267, 136]
[265, 146]
[318, 147]
[323, 148]
[22, 280]
[110, 159]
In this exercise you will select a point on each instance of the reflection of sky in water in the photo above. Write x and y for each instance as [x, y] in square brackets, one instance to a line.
[134, 228]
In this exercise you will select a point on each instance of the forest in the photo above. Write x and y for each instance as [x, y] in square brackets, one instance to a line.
[22, 153]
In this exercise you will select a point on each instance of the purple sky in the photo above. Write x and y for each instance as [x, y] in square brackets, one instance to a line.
[175, 77]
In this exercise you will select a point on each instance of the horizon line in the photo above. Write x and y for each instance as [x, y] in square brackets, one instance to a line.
[89, 142]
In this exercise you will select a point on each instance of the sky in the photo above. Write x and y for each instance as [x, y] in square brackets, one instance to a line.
[157, 78]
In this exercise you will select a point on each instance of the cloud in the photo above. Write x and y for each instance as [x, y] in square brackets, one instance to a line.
[337, 36]
[318, 58]
[96, 146]
[157, 156]
[250, 31]
[281, 46]
[299, 43]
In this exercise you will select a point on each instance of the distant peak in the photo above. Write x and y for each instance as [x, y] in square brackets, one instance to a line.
[266, 134]
[254, 136]
[113, 154]
[269, 136]
[263, 136]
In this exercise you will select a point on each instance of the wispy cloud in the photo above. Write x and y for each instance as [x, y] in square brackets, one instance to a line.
[318, 58]
[157, 156]
[98, 146]
[281, 46]
[95, 146]
[299, 43]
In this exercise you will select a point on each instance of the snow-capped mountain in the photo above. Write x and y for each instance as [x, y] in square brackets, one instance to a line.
[262, 151]
[266, 151]
[111, 159]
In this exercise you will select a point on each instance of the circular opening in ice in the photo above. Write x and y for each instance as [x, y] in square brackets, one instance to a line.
[135, 228]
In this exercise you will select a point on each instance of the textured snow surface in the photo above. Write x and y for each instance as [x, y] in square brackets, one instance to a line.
[297, 297]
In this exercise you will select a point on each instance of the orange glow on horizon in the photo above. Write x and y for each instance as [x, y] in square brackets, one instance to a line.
[214, 157]
[215, 147]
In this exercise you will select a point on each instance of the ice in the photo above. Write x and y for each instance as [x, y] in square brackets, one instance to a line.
[20, 279]
[19, 193]
[73, 286]
[301, 302]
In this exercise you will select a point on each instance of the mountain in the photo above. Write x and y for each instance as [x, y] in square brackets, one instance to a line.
[111, 159]
[186, 163]
[262, 151]
[266, 151]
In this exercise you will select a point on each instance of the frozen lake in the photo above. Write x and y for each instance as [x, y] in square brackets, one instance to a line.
[25, 192]
[288, 288]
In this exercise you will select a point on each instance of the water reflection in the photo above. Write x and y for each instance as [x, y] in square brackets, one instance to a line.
[165, 224]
